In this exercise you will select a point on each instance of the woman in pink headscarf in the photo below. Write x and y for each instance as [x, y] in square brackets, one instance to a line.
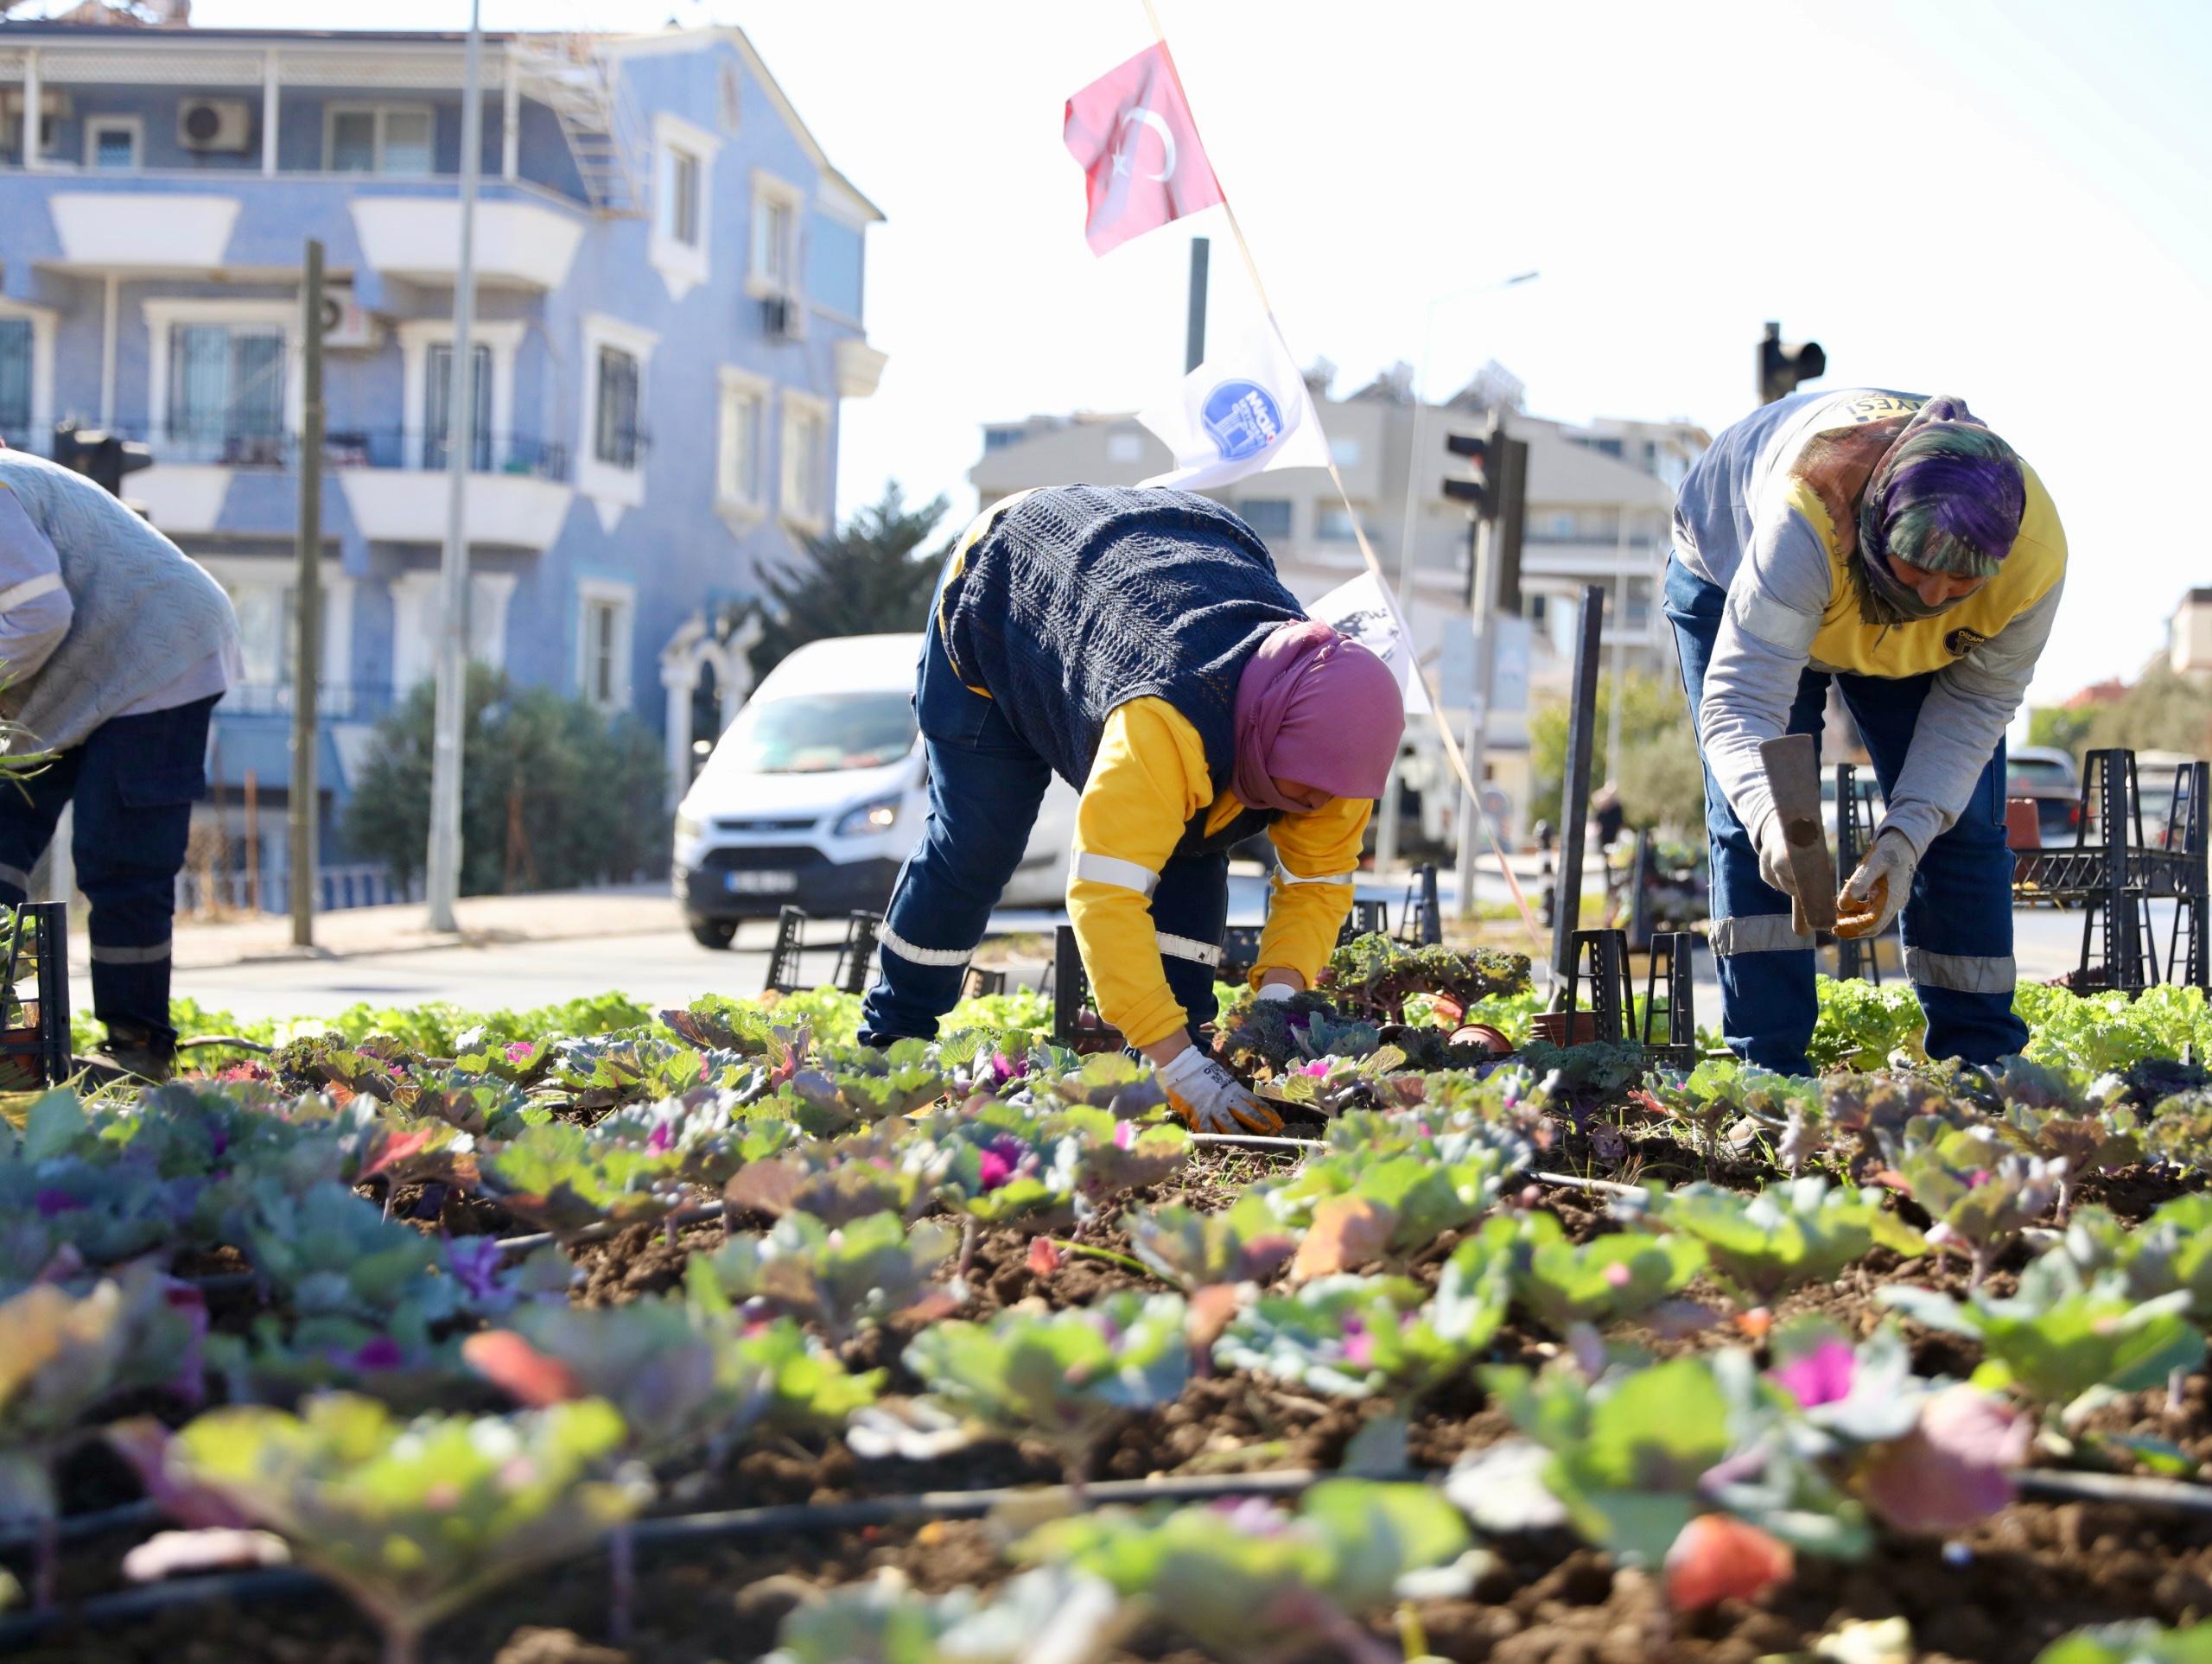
[1138, 643]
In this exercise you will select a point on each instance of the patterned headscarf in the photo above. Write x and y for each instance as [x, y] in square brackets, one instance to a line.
[1937, 490]
[1318, 709]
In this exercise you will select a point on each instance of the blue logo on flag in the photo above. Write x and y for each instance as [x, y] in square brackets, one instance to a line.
[1243, 419]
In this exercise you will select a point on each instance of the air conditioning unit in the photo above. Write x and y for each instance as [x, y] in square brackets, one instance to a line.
[214, 123]
[784, 317]
[346, 324]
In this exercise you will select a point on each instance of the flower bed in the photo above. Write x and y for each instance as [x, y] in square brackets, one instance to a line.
[704, 1334]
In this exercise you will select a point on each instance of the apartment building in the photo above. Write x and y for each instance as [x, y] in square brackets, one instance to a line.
[1600, 497]
[670, 311]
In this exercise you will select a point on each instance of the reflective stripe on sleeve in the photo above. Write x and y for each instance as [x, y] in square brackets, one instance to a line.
[104, 955]
[894, 942]
[1112, 869]
[1757, 933]
[1961, 972]
[1185, 946]
[1761, 616]
[30, 589]
[1289, 877]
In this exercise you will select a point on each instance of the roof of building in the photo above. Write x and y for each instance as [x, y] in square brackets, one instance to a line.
[620, 43]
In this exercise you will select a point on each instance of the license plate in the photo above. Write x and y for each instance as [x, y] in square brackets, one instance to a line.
[761, 884]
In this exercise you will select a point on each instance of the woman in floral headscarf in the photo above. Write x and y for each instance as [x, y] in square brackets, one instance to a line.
[1138, 643]
[1894, 542]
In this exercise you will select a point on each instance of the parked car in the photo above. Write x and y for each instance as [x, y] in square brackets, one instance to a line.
[818, 792]
[2154, 782]
[2047, 774]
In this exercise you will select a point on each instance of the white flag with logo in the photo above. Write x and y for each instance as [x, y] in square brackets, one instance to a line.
[1367, 613]
[1244, 410]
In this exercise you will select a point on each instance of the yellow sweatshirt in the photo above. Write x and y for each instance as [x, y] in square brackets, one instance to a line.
[1148, 781]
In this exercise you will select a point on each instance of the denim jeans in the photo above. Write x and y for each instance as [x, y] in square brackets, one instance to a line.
[1957, 923]
[134, 781]
[985, 784]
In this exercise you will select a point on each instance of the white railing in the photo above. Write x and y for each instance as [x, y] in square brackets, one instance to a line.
[365, 885]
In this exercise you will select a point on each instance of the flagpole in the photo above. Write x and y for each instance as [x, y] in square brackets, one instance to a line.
[1453, 753]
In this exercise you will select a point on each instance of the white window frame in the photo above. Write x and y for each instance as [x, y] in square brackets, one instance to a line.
[163, 312]
[134, 126]
[798, 513]
[735, 504]
[417, 337]
[849, 210]
[606, 592]
[381, 111]
[757, 283]
[237, 572]
[414, 633]
[42, 321]
[610, 487]
[682, 266]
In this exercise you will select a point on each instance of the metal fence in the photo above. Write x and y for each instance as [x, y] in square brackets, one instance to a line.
[365, 885]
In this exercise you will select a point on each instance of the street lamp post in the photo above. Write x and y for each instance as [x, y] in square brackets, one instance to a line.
[442, 864]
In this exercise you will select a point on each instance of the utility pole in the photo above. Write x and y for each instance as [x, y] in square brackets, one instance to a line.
[1482, 554]
[442, 867]
[1620, 648]
[305, 796]
[1194, 334]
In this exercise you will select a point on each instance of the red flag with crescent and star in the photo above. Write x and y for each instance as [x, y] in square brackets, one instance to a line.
[1142, 164]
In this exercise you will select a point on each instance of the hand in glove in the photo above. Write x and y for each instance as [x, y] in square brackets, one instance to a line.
[1209, 1098]
[1875, 892]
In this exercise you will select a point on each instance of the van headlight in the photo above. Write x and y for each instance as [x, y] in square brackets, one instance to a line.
[862, 819]
[688, 826]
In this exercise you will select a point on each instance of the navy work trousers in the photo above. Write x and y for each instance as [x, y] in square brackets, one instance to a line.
[134, 781]
[1958, 921]
[985, 784]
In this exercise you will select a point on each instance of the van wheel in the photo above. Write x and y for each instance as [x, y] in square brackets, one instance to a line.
[714, 932]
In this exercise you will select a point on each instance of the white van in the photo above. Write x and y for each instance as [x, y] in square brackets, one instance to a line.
[818, 792]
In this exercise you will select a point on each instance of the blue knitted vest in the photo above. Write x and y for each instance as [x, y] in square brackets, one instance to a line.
[1082, 598]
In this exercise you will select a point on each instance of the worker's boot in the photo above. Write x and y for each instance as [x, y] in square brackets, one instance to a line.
[142, 1051]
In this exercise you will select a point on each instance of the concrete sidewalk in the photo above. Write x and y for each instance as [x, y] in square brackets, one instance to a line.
[485, 921]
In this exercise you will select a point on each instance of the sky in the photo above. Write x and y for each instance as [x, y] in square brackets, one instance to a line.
[2009, 202]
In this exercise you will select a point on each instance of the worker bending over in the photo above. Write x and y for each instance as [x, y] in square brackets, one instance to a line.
[1138, 643]
[114, 648]
[1893, 542]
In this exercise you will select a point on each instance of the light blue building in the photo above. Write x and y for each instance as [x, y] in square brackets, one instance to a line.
[670, 311]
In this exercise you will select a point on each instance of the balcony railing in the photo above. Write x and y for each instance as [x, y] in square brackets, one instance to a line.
[245, 445]
[335, 701]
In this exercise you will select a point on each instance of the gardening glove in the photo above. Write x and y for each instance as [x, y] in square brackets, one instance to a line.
[1276, 990]
[1210, 1099]
[1875, 892]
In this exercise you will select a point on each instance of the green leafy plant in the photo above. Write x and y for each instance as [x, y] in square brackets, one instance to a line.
[1787, 1235]
[1354, 1335]
[1060, 1377]
[1050, 1612]
[1246, 1579]
[1245, 1242]
[1980, 1191]
[2142, 1642]
[840, 1279]
[1429, 1184]
[1375, 974]
[563, 1178]
[330, 1254]
[413, 1519]
[1860, 1024]
[1608, 1280]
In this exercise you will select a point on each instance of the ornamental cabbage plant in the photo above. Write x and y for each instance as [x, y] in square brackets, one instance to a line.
[1608, 1280]
[1245, 1243]
[414, 1520]
[1789, 1234]
[1060, 1377]
[1352, 1336]
[841, 1279]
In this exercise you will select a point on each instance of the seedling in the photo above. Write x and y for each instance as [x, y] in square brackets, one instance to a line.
[842, 1278]
[1061, 1377]
[1352, 1337]
[1606, 1280]
[414, 1520]
[1245, 1243]
[1787, 1235]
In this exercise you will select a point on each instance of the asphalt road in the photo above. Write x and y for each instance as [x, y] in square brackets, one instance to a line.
[669, 967]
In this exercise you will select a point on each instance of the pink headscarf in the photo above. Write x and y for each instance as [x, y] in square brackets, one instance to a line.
[1317, 708]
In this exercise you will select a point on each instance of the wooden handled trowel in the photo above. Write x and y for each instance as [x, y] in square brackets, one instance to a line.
[1793, 775]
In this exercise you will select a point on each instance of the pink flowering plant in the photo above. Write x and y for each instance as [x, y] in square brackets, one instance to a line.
[1352, 1336]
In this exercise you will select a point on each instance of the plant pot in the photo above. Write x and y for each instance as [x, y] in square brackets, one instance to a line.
[20, 1070]
[1492, 1040]
[1553, 1028]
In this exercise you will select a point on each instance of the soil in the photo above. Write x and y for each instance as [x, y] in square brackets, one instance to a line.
[2001, 1592]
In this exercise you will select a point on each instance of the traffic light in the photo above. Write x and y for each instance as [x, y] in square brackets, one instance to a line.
[104, 457]
[1497, 490]
[1784, 365]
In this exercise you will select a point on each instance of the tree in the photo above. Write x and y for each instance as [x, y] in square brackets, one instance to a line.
[868, 578]
[555, 793]
[2163, 711]
[2060, 726]
[1662, 782]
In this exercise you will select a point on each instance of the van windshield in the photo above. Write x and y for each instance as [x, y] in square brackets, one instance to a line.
[820, 733]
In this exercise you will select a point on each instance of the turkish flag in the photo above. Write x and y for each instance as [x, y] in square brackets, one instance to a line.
[1142, 164]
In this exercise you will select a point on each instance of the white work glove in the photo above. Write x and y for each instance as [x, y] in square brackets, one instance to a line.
[1276, 990]
[1773, 848]
[1209, 1098]
[1874, 893]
